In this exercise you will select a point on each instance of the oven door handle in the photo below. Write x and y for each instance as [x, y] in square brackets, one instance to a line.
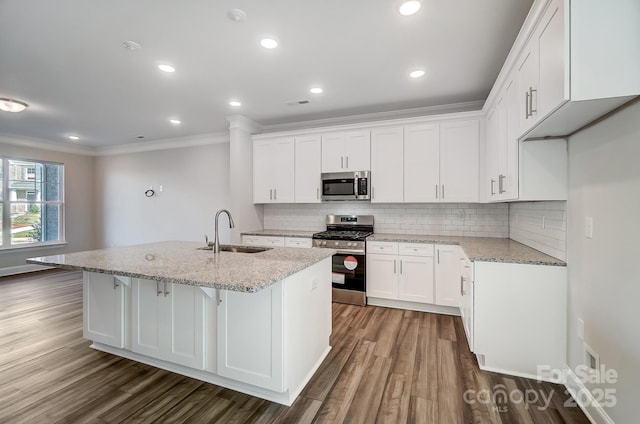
[349, 251]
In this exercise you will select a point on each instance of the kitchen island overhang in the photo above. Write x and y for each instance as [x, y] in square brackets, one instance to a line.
[258, 323]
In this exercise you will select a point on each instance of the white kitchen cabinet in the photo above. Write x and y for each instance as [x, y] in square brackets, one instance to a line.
[346, 151]
[466, 300]
[421, 162]
[103, 308]
[168, 322]
[250, 337]
[459, 161]
[273, 170]
[406, 277]
[387, 165]
[308, 158]
[447, 275]
[276, 241]
[519, 317]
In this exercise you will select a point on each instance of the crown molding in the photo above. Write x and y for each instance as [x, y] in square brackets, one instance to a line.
[244, 123]
[42, 144]
[163, 144]
[369, 118]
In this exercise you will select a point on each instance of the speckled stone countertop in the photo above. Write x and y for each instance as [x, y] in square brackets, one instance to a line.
[481, 249]
[181, 262]
[280, 233]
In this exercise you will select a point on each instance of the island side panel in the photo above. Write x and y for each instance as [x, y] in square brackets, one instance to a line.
[307, 321]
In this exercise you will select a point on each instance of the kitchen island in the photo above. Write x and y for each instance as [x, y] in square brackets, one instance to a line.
[258, 323]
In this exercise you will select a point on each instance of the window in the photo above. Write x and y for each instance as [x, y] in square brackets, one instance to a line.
[31, 203]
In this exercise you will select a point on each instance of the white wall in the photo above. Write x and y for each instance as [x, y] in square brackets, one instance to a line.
[541, 225]
[604, 277]
[196, 184]
[79, 208]
[451, 219]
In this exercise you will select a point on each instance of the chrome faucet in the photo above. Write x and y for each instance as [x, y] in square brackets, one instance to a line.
[216, 242]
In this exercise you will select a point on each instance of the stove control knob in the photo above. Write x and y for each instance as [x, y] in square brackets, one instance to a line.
[337, 243]
[324, 242]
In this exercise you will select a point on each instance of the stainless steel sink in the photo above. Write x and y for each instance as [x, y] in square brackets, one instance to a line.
[237, 249]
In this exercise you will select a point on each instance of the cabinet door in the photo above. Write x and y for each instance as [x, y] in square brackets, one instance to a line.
[502, 142]
[263, 160]
[416, 279]
[492, 155]
[308, 154]
[103, 309]
[459, 161]
[382, 276]
[551, 58]
[358, 151]
[510, 181]
[250, 337]
[387, 168]
[421, 163]
[184, 335]
[447, 275]
[283, 170]
[527, 79]
[333, 152]
[147, 316]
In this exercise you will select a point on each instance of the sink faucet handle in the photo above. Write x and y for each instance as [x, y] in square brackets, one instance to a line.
[206, 239]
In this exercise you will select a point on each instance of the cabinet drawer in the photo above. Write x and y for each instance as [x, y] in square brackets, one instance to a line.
[382, 247]
[263, 241]
[297, 242]
[415, 249]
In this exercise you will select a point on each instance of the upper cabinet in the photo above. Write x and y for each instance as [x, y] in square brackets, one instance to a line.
[273, 170]
[308, 156]
[435, 162]
[574, 62]
[346, 151]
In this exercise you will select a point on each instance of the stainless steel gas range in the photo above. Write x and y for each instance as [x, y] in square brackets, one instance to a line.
[347, 235]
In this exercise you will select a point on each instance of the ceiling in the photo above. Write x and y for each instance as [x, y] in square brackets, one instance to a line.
[66, 60]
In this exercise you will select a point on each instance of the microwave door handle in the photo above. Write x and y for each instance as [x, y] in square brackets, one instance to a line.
[355, 187]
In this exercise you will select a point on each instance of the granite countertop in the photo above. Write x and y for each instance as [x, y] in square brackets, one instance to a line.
[181, 262]
[481, 249]
[280, 233]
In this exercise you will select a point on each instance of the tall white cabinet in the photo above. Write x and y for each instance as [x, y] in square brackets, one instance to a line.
[273, 170]
[308, 154]
[387, 164]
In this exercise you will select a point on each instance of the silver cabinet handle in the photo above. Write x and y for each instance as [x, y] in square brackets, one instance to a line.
[158, 291]
[492, 183]
[500, 183]
[347, 162]
[461, 283]
[443, 191]
[531, 109]
[526, 105]
[165, 289]
[275, 194]
[341, 162]
[115, 283]
[270, 194]
[400, 266]
[438, 255]
[373, 192]
[394, 266]
[317, 193]
[436, 191]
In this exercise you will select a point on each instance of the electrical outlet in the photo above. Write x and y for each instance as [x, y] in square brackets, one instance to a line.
[588, 227]
[580, 329]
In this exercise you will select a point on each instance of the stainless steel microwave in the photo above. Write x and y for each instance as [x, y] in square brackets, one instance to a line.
[346, 185]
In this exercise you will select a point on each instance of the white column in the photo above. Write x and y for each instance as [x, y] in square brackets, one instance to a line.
[247, 216]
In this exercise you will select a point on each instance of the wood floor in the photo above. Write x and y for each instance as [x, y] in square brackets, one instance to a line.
[386, 366]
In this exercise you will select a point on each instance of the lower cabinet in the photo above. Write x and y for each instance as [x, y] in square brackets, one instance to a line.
[250, 337]
[103, 311]
[275, 241]
[407, 276]
[466, 301]
[447, 275]
[168, 322]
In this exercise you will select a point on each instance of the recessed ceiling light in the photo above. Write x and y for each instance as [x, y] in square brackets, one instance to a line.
[237, 15]
[409, 7]
[74, 137]
[166, 68]
[10, 105]
[175, 121]
[417, 73]
[269, 43]
[316, 90]
[235, 103]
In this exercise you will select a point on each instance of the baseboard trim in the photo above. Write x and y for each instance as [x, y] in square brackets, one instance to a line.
[580, 393]
[413, 306]
[22, 269]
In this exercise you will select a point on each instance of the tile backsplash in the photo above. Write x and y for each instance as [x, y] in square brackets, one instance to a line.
[541, 225]
[450, 219]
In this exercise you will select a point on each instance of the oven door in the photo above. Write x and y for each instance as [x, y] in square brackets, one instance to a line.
[348, 271]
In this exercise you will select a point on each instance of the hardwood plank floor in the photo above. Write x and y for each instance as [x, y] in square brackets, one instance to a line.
[386, 366]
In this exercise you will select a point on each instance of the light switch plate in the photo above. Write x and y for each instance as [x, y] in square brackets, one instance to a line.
[588, 227]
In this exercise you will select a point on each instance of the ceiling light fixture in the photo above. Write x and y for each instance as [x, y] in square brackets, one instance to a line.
[166, 68]
[74, 137]
[237, 15]
[417, 73]
[235, 103]
[269, 43]
[316, 90]
[131, 45]
[175, 121]
[10, 105]
[409, 7]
